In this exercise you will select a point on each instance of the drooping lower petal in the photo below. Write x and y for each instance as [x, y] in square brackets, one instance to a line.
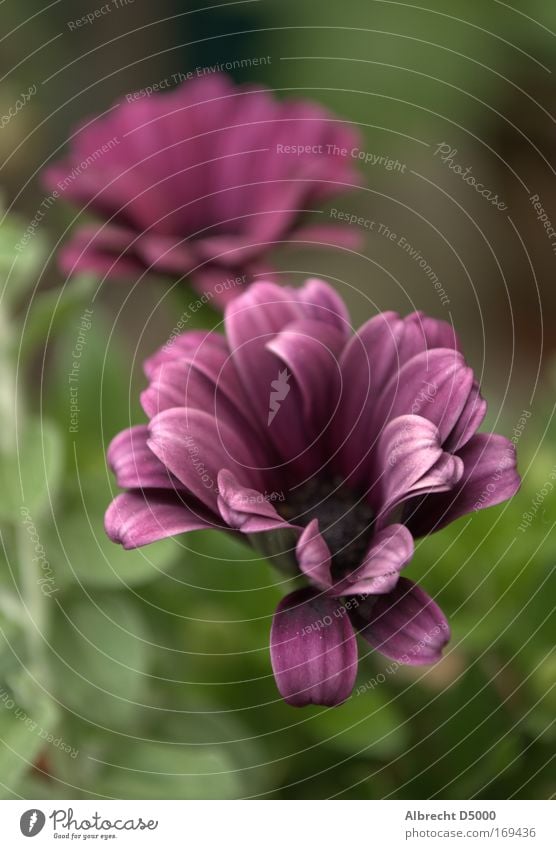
[313, 650]
[135, 465]
[405, 625]
[139, 518]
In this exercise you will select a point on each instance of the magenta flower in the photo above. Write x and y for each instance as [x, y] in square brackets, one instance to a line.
[204, 181]
[329, 452]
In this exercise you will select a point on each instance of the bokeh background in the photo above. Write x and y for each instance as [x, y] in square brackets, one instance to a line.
[146, 674]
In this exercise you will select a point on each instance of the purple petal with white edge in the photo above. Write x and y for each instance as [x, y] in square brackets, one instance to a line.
[244, 509]
[489, 477]
[313, 556]
[139, 518]
[411, 460]
[313, 650]
[391, 550]
[195, 447]
[135, 465]
[405, 625]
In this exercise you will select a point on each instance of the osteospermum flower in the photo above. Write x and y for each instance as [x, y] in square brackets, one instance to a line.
[364, 442]
[203, 181]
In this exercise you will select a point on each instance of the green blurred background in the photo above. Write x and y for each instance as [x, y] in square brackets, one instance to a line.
[146, 674]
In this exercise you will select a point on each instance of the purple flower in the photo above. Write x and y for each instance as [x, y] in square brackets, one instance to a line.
[329, 452]
[204, 181]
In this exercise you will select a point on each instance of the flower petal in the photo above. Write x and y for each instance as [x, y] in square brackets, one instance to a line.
[244, 509]
[434, 384]
[103, 251]
[201, 383]
[390, 550]
[135, 465]
[257, 316]
[303, 396]
[203, 345]
[489, 477]
[252, 321]
[322, 303]
[411, 460]
[313, 556]
[469, 421]
[405, 625]
[313, 650]
[380, 354]
[310, 350]
[423, 333]
[139, 518]
[195, 447]
[371, 354]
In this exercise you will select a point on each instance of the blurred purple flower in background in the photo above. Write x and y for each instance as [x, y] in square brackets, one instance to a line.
[370, 441]
[203, 182]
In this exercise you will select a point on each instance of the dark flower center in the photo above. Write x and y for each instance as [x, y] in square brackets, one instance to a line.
[345, 520]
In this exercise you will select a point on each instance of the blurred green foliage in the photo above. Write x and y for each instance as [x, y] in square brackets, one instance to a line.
[147, 675]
